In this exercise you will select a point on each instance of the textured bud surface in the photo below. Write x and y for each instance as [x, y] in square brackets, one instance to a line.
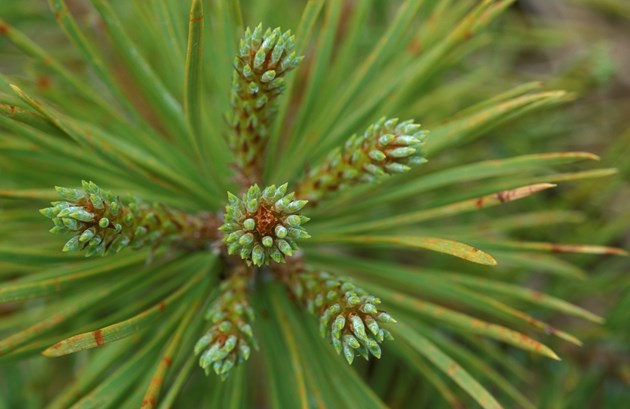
[101, 223]
[264, 226]
[230, 339]
[348, 316]
[387, 147]
[262, 61]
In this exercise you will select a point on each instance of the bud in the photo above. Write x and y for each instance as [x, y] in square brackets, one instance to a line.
[385, 148]
[103, 224]
[263, 226]
[259, 69]
[227, 343]
[348, 316]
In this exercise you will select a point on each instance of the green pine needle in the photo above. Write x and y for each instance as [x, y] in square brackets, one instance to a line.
[137, 97]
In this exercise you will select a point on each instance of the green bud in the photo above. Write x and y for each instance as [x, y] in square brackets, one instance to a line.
[228, 364]
[400, 152]
[249, 224]
[368, 309]
[285, 247]
[258, 255]
[246, 239]
[296, 205]
[406, 140]
[71, 224]
[246, 253]
[230, 343]
[388, 335]
[337, 345]
[48, 212]
[276, 255]
[337, 326]
[281, 232]
[268, 76]
[82, 215]
[362, 350]
[377, 155]
[372, 325]
[202, 343]
[373, 169]
[225, 326]
[114, 208]
[97, 201]
[72, 244]
[348, 353]
[252, 205]
[244, 350]
[394, 168]
[59, 230]
[385, 317]
[374, 348]
[293, 220]
[72, 195]
[233, 248]
[298, 234]
[87, 235]
[351, 341]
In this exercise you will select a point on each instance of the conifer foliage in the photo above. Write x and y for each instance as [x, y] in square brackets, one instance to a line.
[198, 192]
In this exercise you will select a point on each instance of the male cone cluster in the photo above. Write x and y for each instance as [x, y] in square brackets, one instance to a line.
[387, 147]
[230, 339]
[102, 223]
[348, 316]
[259, 68]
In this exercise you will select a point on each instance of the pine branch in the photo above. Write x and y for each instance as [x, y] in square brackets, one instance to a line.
[229, 341]
[348, 315]
[352, 72]
[102, 223]
[259, 69]
[385, 148]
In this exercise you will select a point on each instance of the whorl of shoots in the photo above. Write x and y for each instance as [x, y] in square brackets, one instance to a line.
[387, 147]
[264, 226]
[348, 316]
[262, 61]
[101, 223]
[230, 339]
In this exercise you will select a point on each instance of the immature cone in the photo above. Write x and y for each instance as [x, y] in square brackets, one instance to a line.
[263, 60]
[264, 226]
[229, 341]
[348, 316]
[101, 223]
[385, 148]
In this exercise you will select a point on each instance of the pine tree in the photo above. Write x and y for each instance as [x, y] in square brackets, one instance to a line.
[203, 282]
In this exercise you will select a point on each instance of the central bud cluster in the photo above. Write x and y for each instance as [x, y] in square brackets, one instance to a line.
[264, 226]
